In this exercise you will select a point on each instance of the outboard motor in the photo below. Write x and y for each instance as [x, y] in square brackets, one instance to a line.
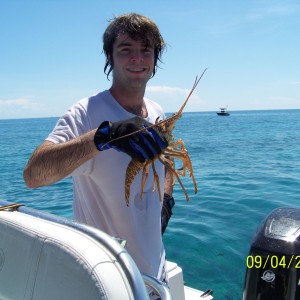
[273, 264]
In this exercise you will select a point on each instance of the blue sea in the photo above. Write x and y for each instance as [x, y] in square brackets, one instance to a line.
[246, 165]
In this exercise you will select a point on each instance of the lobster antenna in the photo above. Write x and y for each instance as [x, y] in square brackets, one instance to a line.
[191, 92]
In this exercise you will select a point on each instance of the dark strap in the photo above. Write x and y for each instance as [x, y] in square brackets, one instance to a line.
[166, 211]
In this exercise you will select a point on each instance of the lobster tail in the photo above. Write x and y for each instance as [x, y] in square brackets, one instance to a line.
[132, 170]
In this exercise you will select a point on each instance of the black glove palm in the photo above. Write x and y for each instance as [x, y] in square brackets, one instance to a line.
[145, 144]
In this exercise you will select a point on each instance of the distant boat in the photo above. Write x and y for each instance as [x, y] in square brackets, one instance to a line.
[223, 112]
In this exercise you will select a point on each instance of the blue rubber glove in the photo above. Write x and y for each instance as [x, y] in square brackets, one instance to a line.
[143, 145]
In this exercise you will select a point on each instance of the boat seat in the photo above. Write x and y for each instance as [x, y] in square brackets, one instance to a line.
[42, 259]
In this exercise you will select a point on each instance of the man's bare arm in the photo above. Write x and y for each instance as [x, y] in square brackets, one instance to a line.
[52, 162]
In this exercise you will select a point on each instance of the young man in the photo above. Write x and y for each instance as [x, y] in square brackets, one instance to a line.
[97, 158]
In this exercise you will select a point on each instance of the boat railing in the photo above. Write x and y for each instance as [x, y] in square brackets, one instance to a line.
[159, 287]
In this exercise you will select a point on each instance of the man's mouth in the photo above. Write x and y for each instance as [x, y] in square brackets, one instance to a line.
[136, 69]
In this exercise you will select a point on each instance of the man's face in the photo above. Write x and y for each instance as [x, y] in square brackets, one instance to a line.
[133, 62]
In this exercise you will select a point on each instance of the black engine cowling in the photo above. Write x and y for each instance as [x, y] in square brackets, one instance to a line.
[273, 263]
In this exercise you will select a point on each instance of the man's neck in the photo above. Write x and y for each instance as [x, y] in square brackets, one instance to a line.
[131, 100]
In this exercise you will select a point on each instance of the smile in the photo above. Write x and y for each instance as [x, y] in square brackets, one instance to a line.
[136, 69]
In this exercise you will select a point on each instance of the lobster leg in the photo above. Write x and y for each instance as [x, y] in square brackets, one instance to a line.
[179, 154]
[156, 183]
[170, 167]
[182, 155]
[190, 168]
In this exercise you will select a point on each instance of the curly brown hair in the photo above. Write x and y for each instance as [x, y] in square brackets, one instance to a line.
[138, 27]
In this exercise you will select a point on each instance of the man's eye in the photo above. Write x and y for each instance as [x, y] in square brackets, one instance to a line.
[147, 50]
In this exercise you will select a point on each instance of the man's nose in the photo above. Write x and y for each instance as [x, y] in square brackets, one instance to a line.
[137, 56]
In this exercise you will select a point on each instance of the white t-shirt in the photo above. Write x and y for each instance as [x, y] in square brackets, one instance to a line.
[99, 184]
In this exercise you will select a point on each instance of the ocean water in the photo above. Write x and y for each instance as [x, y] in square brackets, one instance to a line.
[246, 165]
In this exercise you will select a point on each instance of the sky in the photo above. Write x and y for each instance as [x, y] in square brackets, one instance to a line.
[51, 53]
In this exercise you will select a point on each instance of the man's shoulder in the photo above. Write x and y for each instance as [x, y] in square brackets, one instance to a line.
[93, 99]
[154, 105]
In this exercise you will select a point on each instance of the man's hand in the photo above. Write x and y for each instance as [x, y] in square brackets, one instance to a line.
[145, 144]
